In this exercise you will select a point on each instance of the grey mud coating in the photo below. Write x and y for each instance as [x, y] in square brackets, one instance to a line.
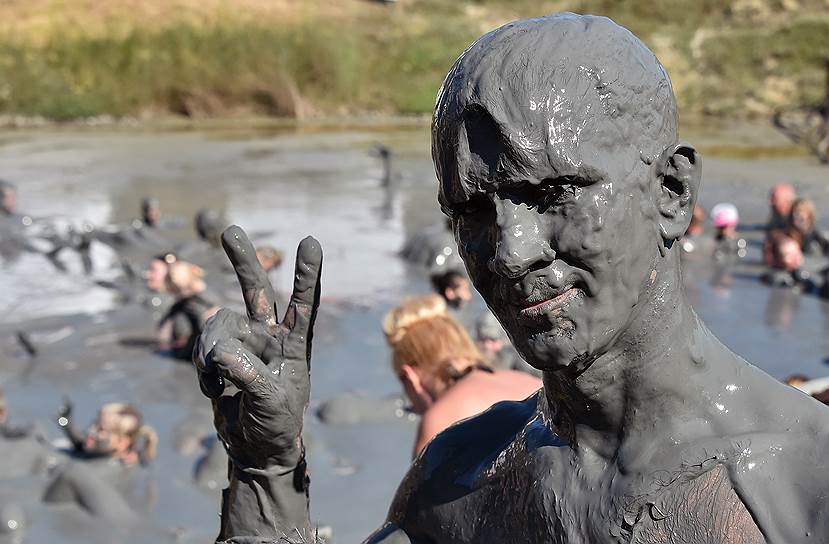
[555, 144]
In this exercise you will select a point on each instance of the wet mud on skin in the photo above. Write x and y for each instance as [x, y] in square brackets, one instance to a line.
[329, 186]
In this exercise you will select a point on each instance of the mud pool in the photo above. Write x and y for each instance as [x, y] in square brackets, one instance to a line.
[280, 187]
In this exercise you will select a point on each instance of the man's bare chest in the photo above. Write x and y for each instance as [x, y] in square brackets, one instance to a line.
[525, 506]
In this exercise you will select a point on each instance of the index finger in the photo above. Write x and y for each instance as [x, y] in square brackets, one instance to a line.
[256, 287]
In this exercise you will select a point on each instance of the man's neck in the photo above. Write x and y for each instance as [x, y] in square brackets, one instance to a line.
[638, 384]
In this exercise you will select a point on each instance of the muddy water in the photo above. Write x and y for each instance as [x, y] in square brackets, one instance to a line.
[282, 187]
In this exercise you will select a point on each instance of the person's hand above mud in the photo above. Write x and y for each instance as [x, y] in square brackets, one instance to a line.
[269, 362]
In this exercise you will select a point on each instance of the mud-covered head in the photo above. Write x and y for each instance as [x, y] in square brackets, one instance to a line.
[150, 210]
[555, 143]
[209, 225]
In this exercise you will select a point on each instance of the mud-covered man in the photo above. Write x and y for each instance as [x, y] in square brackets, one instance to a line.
[555, 143]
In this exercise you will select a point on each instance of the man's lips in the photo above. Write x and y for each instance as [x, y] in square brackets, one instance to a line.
[537, 309]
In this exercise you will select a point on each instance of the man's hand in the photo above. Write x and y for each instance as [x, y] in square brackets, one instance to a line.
[269, 363]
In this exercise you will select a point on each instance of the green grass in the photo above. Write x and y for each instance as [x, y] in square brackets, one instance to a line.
[385, 61]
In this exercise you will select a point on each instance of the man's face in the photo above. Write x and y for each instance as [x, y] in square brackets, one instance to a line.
[561, 252]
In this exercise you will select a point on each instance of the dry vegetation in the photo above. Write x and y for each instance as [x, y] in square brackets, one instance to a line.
[77, 58]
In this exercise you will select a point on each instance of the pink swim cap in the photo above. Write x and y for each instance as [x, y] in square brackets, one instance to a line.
[725, 215]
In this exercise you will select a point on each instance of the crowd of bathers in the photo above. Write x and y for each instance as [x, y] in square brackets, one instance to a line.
[179, 284]
[449, 366]
[795, 251]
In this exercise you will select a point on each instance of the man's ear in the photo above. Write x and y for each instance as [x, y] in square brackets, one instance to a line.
[678, 173]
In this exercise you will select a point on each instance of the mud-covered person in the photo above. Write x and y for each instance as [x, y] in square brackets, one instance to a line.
[269, 257]
[555, 145]
[728, 246]
[781, 199]
[100, 479]
[453, 286]
[194, 304]
[802, 226]
[118, 432]
[8, 199]
[443, 374]
[496, 347]
[7, 430]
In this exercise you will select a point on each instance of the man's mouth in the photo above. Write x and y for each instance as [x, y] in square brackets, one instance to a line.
[534, 309]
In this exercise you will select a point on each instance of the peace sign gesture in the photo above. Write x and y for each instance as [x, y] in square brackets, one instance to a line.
[267, 360]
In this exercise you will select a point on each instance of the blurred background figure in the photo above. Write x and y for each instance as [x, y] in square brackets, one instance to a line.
[104, 461]
[8, 198]
[209, 225]
[802, 227]
[697, 225]
[496, 347]
[443, 374]
[269, 257]
[781, 198]
[728, 245]
[118, 432]
[694, 240]
[784, 258]
[193, 306]
[155, 276]
[150, 212]
[8, 431]
[453, 286]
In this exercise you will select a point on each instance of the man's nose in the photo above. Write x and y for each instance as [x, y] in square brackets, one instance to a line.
[521, 241]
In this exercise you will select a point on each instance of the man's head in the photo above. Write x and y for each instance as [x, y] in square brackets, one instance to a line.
[555, 143]
[209, 226]
[8, 197]
[781, 198]
[150, 211]
[453, 287]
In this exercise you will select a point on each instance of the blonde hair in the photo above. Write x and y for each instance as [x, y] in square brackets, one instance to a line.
[129, 422]
[423, 335]
[184, 277]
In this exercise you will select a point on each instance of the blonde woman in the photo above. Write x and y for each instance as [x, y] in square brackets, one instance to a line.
[118, 432]
[105, 456]
[442, 372]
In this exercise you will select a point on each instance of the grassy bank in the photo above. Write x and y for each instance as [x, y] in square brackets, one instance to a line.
[64, 60]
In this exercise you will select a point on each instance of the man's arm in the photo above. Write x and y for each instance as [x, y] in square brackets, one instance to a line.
[261, 425]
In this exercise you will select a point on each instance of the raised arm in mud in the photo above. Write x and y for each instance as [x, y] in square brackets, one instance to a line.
[269, 362]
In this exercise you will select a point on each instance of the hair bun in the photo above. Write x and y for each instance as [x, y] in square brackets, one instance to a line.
[413, 310]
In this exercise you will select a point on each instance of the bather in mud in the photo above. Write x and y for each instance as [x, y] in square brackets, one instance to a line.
[555, 144]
